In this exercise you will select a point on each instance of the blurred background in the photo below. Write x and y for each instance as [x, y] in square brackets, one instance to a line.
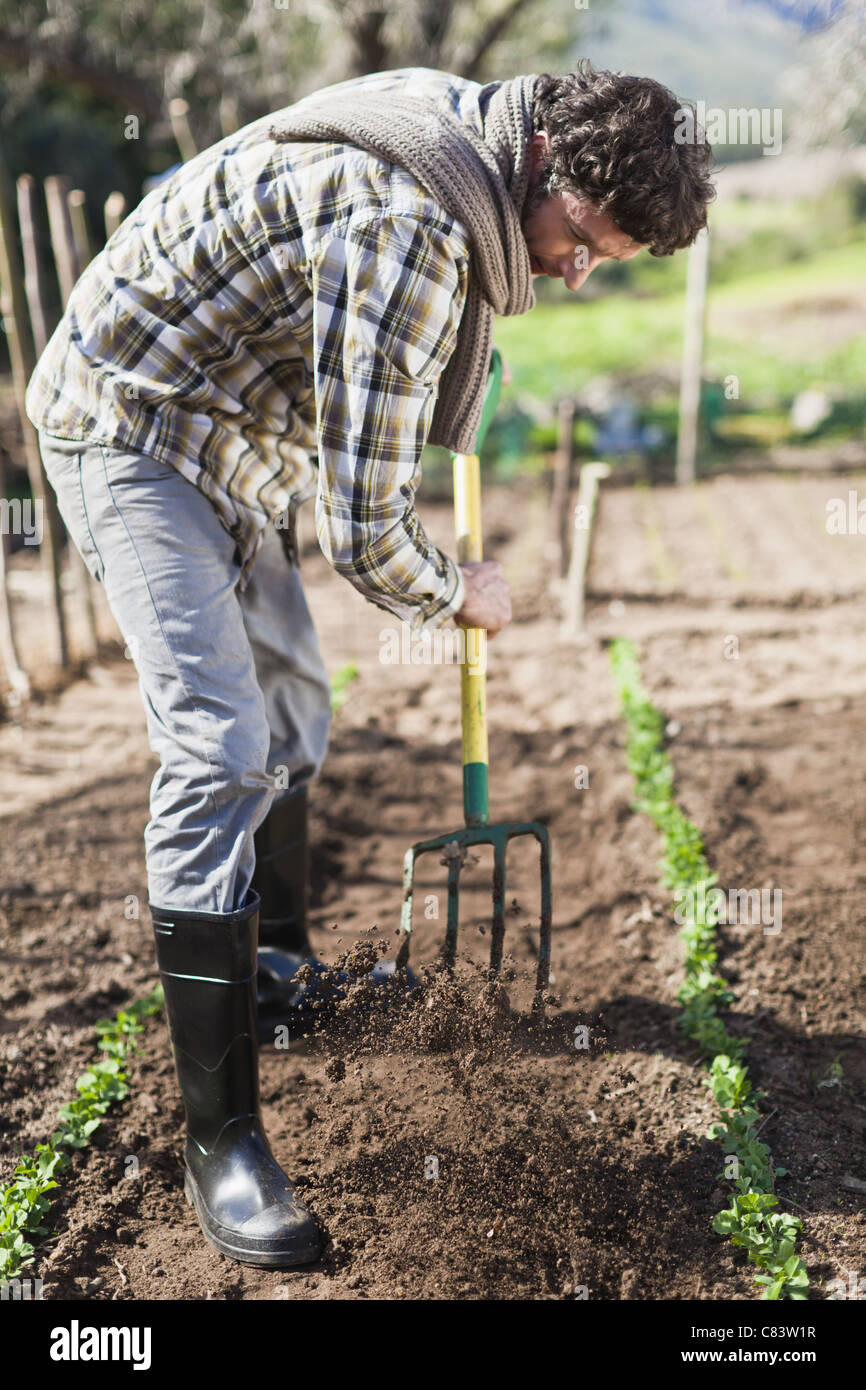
[762, 366]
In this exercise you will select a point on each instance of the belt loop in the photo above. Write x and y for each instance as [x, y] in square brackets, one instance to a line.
[288, 534]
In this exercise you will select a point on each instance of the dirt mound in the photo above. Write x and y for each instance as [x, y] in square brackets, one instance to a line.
[487, 1175]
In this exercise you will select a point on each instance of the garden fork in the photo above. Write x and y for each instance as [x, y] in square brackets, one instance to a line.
[455, 844]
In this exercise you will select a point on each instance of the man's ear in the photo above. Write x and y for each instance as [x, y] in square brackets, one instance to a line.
[540, 149]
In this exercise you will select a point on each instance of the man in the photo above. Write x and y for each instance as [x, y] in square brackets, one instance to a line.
[293, 314]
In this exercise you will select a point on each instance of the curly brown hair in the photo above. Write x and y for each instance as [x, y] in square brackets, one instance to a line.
[612, 143]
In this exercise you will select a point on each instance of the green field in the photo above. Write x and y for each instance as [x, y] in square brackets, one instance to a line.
[559, 347]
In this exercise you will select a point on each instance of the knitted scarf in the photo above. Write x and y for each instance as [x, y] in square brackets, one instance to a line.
[481, 180]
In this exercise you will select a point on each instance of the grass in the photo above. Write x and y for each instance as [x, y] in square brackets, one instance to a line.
[751, 1221]
[559, 347]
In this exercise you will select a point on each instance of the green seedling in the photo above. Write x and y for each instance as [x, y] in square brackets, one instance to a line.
[750, 1222]
[23, 1201]
[834, 1074]
[340, 684]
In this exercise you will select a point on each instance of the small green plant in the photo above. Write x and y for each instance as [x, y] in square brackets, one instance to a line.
[834, 1074]
[729, 1083]
[23, 1201]
[768, 1237]
[340, 685]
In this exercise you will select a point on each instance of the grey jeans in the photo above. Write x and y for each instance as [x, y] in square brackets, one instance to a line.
[236, 695]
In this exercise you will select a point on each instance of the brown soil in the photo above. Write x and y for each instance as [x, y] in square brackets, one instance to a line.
[559, 1167]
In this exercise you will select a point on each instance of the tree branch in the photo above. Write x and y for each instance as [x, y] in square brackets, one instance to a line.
[122, 89]
[492, 31]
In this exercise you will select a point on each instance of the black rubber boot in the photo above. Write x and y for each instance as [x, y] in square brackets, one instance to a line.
[245, 1204]
[289, 996]
[281, 875]
[281, 879]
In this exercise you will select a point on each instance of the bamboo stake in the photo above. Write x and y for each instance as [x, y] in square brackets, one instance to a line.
[13, 303]
[61, 202]
[115, 211]
[178, 114]
[693, 347]
[34, 281]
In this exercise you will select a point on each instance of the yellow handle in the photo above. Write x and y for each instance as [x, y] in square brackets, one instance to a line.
[473, 683]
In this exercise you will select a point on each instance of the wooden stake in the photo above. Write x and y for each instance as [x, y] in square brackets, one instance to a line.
[693, 347]
[115, 211]
[229, 121]
[13, 304]
[34, 281]
[62, 239]
[63, 203]
[77, 204]
[178, 114]
[562, 480]
[591, 475]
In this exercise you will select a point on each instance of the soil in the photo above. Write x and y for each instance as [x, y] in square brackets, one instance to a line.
[450, 1147]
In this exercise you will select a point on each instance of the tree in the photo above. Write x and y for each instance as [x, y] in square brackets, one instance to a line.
[828, 90]
[252, 56]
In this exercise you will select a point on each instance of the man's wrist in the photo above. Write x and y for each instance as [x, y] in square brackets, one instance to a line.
[436, 614]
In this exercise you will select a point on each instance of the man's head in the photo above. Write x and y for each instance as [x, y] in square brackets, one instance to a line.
[608, 178]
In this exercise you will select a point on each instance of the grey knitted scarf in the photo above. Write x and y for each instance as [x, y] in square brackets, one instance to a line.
[481, 180]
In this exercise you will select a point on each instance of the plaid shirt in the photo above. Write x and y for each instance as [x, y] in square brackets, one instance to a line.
[272, 321]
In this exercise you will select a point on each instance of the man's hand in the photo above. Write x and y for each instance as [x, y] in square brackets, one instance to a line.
[488, 601]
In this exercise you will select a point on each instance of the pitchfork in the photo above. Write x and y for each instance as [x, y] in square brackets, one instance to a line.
[455, 844]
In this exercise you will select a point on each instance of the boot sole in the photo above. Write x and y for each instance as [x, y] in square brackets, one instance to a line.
[305, 1252]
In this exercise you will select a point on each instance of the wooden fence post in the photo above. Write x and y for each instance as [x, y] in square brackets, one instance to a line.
[115, 211]
[562, 480]
[20, 344]
[693, 349]
[15, 673]
[34, 281]
[178, 114]
[62, 241]
[229, 121]
[63, 203]
[77, 204]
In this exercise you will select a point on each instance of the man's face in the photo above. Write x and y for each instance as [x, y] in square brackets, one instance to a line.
[565, 238]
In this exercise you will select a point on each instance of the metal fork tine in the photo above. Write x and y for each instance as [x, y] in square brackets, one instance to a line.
[498, 930]
[406, 911]
[453, 908]
[542, 978]
[452, 849]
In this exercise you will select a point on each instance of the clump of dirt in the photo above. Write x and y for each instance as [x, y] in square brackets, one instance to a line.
[438, 1011]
